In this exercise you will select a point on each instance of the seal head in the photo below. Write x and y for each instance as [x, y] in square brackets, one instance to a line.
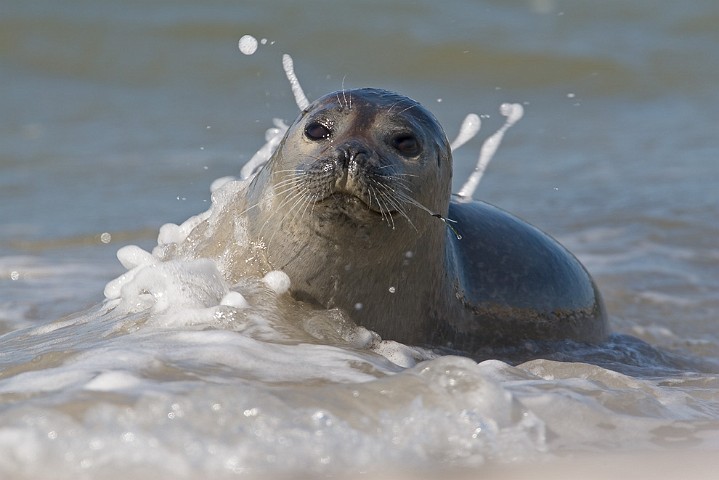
[363, 152]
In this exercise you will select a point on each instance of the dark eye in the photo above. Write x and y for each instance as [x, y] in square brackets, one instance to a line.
[406, 144]
[317, 131]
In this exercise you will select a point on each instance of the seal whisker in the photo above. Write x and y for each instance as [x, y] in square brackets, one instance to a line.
[293, 171]
[380, 206]
[287, 184]
[391, 181]
[394, 181]
[294, 185]
[274, 211]
[249, 208]
[392, 198]
[408, 108]
[389, 206]
[343, 92]
[290, 187]
[295, 196]
[392, 174]
[384, 209]
[447, 221]
[408, 199]
[300, 198]
[289, 193]
[293, 176]
[301, 205]
[399, 208]
[391, 107]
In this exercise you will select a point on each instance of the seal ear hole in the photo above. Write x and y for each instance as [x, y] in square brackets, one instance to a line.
[317, 131]
[406, 144]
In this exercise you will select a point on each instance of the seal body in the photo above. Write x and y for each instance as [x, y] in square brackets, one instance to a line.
[351, 206]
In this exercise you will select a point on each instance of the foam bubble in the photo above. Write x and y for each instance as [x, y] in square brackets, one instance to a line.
[277, 281]
[132, 256]
[170, 233]
[234, 299]
[248, 44]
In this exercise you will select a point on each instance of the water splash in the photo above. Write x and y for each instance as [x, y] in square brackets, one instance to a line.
[273, 137]
[469, 129]
[297, 91]
[513, 112]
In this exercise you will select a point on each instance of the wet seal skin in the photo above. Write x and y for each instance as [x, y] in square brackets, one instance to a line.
[355, 206]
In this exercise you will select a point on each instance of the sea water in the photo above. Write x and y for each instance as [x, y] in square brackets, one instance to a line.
[118, 118]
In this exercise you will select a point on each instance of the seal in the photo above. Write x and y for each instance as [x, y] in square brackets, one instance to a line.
[354, 206]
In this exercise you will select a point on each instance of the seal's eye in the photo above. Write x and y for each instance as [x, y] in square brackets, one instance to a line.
[406, 144]
[317, 131]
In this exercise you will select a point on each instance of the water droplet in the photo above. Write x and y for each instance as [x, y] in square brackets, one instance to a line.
[392, 289]
[105, 238]
[248, 44]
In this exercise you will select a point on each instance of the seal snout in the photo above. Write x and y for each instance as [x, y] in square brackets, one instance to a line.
[351, 159]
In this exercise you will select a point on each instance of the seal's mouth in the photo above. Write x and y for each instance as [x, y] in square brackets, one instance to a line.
[354, 202]
[352, 188]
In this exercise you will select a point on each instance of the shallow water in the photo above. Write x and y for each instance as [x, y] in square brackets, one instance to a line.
[117, 118]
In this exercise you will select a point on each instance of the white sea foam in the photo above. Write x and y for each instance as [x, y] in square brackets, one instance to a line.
[183, 374]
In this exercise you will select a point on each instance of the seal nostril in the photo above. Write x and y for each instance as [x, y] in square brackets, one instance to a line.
[352, 153]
